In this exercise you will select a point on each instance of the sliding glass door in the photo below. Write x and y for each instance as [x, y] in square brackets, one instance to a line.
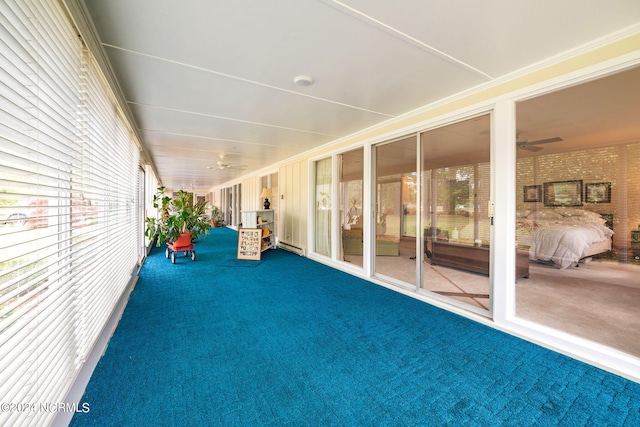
[351, 205]
[395, 245]
[456, 227]
[323, 206]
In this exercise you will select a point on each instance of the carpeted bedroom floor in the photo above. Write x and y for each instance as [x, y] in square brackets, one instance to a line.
[288, 341]
[596, 301]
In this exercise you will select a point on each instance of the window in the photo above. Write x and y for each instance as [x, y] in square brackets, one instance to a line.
[68, 212]
[577, 207]
[323, 207]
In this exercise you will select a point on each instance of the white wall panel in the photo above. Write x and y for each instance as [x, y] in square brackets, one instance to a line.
[293, 198]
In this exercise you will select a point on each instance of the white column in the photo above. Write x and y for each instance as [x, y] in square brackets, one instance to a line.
[503, 179]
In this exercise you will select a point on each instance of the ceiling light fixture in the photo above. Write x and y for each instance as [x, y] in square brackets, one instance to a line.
[303, 80]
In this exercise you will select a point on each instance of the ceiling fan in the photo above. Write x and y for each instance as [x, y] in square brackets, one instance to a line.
[222, 164]
[524, 144]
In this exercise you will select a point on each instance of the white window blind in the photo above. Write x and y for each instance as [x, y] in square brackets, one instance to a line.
[68, 203]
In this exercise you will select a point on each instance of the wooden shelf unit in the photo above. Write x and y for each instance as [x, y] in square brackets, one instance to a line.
[265, 220]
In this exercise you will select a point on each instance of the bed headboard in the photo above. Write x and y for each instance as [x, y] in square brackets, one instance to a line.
[566, 214]
[608, 220]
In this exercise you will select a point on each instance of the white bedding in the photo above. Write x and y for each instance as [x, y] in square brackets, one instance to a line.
[563, 237]
[565, 245]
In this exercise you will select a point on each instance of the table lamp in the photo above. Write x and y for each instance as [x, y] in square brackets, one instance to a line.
[266, 193]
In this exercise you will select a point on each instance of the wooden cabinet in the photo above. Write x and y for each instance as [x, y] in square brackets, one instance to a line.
[264, 220]
[472, 258]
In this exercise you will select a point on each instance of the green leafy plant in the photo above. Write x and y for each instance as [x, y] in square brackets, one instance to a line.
[177, 215]
[216, 216]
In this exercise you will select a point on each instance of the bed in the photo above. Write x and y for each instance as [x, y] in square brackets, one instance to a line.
[563, 236]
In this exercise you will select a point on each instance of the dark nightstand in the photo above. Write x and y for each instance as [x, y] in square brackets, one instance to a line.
[635, 244]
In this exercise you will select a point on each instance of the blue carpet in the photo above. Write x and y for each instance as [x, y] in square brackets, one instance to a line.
[238, 263]
[293, 342]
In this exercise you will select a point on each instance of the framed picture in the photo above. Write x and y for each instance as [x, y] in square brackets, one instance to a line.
[597, 192]
[533, 193]
[563, 193]
[249, 243]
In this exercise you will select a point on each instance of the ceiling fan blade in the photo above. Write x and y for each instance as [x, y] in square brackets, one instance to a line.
[545, 141]
[530, 148]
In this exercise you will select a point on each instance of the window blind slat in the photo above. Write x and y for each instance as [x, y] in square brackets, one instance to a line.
[68, 181]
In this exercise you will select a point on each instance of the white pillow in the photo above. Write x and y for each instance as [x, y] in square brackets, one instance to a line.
[545, 214]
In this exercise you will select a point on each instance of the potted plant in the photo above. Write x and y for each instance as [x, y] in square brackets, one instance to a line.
[216, 216]
[177, 215]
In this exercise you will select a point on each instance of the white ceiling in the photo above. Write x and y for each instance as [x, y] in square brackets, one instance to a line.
[211, 78]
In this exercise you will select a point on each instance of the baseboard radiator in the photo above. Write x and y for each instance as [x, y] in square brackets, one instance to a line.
[291, 248]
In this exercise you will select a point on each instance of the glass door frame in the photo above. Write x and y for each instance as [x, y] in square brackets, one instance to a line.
[420, 239]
